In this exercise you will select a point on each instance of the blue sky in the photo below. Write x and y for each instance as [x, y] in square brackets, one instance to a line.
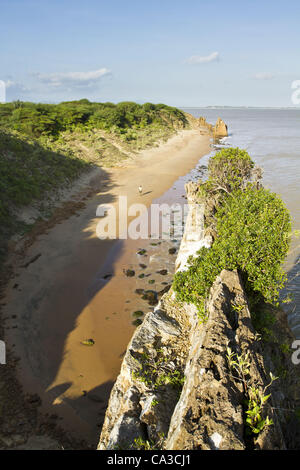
[192, 53]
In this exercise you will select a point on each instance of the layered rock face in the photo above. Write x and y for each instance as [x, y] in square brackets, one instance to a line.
[209, 414]
[172, 348]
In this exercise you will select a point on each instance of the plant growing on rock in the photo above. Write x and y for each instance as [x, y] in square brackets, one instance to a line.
[255, 397]
[155, 371]
[144, 444]
[254, 419]
[256, 401]
[239, 363]
[230, 169]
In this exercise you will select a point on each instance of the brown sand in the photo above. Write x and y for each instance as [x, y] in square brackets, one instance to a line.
[60, 298]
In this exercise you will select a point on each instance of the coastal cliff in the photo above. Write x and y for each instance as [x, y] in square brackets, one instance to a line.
[177, 389]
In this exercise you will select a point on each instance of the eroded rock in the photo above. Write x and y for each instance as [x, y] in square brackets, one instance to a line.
[210, 412]
[220, 129]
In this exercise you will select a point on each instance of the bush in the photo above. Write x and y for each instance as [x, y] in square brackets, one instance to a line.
[230, 169]
[253, 228]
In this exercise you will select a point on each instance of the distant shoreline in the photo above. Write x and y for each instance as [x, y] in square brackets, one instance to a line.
[241, 107]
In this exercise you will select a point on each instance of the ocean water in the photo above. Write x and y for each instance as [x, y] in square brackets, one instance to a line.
[272, 138]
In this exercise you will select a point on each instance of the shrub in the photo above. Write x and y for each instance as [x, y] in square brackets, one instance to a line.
[230, 169]
[253, 228]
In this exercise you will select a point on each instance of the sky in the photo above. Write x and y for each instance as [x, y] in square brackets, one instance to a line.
[182, 53]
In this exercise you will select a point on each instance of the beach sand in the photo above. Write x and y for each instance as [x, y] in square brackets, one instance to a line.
[74, 289]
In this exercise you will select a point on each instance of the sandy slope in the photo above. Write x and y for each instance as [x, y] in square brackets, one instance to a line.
[55, 301]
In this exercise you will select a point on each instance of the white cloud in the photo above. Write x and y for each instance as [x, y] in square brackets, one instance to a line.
[197, 59]
[264, 76]
[15, 86]
[79, 79]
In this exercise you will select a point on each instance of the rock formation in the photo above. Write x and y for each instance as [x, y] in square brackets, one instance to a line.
[218, 131]
[210, 412]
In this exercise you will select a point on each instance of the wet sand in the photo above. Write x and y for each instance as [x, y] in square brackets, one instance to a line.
[76, 289]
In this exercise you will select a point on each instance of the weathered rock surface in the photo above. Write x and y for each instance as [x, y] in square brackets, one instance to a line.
[138, 407]
[194, 237]
[217, 131]
[209, 413]
[220, 129]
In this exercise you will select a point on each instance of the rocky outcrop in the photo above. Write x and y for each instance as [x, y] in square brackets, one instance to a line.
[210, 412]
[204, 124]
[218, 131]
[177, 387]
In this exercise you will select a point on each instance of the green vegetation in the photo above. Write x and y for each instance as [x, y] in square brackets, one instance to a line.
[143, 444]
[254, 420]
[28, 170]
[47, 146]
[263, 321]
[126, 118]
[256, 397]
[44, 145]
[229, 169]
[153, 371]
[252, 228]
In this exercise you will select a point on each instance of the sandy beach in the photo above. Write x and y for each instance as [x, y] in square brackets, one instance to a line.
[58, 296]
